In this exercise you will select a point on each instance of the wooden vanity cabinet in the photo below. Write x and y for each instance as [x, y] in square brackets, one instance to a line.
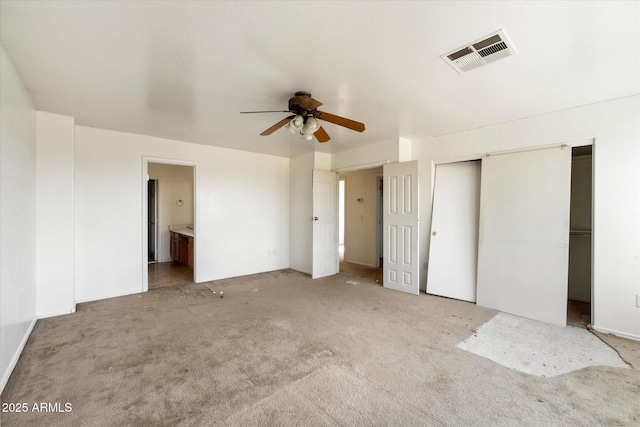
[190, 252]
[181, 249]
[174, 246]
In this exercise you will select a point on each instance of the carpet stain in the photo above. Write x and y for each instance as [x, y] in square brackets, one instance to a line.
[538, 348]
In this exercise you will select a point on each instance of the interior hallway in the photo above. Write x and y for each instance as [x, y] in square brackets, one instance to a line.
[279, 348]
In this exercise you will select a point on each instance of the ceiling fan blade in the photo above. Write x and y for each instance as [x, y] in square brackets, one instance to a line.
[270, 111]
[340, 121]
[321, 135]
[277, 126]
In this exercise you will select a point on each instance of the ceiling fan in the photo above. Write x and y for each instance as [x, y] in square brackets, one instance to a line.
[304, 120]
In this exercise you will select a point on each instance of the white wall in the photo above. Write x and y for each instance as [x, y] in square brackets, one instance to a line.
[17, 216]
[54, 213]
[615, 127]
[369, 156]
[361, 218]
[300, 212]
[241, 210]
[175, 183]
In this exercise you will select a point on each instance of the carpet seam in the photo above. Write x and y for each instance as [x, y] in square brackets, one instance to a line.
[611, 347]
[281, 389]
[392, 394]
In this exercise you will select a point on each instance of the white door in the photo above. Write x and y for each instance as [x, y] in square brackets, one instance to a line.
[453, 252]
[325, 224]
[401, 260]
[524, 234]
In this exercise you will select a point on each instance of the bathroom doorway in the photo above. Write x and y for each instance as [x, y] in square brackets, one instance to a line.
[170, 224]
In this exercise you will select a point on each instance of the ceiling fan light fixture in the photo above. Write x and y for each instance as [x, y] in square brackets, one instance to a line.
[310, 127]
[290, 129]
[296, 124]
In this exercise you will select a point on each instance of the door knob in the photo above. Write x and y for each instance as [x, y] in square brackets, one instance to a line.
[315, 218]
[434, 233]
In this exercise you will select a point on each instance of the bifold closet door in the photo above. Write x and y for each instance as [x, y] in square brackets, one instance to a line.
[523, 247]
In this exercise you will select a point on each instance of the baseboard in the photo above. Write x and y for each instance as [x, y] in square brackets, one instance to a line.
[56, 313]
[16, 356]
[98, 298]
[617, 333]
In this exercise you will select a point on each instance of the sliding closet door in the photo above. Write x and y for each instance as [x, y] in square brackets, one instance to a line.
[453, 252]
[524, 234]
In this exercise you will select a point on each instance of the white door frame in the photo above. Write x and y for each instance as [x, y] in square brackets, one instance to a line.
[145, 232]
[361, 167]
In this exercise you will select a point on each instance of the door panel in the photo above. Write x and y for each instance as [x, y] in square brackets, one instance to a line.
[401, 227]
[453, 252]
[524, 234]
[325, 224]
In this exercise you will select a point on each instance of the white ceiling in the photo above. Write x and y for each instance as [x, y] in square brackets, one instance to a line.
[184, 70]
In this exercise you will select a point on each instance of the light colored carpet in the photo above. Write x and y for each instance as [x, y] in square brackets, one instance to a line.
[282, 349]
[538, 348]
[331, 396]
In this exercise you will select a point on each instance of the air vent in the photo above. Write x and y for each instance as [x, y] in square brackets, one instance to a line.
[481, 52]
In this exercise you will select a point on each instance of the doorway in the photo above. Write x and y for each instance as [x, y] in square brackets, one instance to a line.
[152, 215]
[360, 220]
[580, 229]
[170, 217]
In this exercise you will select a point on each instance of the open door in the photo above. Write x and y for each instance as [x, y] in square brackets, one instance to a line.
[524, 234]
[325, 224]
[401, 260]
[453, 252]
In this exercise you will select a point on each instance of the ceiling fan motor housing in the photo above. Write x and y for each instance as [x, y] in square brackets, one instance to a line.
[294, 104]
[303, 104]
